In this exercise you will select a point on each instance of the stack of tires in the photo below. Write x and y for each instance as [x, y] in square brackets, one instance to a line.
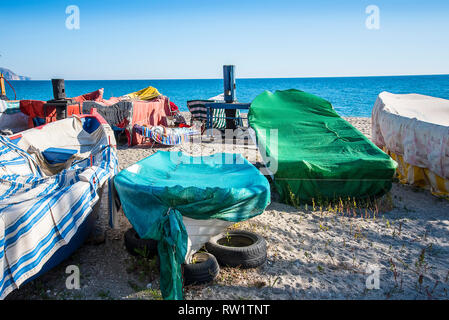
[237, 248]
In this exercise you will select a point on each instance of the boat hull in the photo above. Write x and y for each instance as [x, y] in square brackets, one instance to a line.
[200, 231]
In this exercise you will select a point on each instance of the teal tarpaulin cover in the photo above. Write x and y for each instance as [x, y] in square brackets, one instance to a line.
[157, 191]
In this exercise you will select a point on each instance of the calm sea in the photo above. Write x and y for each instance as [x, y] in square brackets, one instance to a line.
[350, 96]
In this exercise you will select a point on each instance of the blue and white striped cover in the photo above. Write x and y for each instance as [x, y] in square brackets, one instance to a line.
[166, 136]
[38, 214]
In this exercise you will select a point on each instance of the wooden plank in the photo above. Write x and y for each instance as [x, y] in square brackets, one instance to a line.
[224, 105]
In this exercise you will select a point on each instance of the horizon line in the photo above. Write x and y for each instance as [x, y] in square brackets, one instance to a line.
[250, 78]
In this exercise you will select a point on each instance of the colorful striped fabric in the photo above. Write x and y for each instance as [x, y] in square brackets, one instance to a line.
[40, 214]
[166, 136]
[198, 110]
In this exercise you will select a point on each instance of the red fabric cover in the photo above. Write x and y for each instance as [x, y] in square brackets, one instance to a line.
[174, 108]
[109, 102]
[35, 108]
[91, 96]
[32, 108]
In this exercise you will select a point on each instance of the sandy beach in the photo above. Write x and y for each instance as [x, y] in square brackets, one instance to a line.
[313, 253]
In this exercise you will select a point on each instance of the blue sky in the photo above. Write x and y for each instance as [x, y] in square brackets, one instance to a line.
[193, 38]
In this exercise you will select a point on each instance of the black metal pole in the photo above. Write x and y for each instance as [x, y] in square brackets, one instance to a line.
[229, 94]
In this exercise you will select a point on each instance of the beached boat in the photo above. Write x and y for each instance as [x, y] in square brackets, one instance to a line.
[414, 130]
[200, 231]
[182, 201]
[143, 108]
[51, 182]
[312, 153]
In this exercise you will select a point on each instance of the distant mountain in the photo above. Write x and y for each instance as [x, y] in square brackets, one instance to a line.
[9, 75]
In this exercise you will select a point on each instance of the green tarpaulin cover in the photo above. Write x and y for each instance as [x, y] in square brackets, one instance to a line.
[157, 191]
[317, 154]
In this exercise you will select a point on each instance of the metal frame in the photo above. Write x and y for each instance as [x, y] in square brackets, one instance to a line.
[222, 105]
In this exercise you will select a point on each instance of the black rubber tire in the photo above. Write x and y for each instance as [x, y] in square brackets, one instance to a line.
[202, 272]
[246, 256]
[133, 242]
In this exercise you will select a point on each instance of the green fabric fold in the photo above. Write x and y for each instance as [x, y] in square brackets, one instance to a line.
[172, 249]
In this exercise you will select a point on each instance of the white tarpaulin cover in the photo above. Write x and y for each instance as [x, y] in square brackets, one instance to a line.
[415, 127]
